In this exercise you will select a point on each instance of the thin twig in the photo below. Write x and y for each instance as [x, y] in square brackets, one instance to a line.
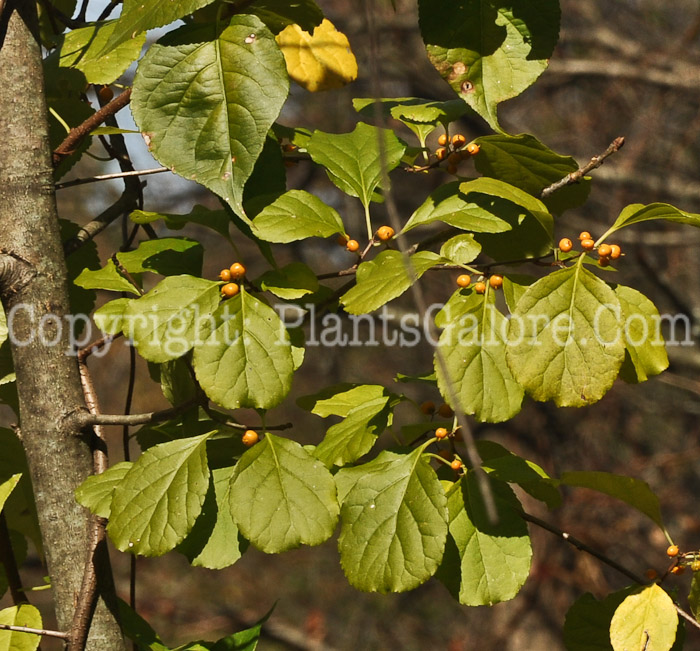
[84, 353]
[35, 631]
[583, 547]
[109, 177]
[76, 134]
[576, 176]
[86, 419]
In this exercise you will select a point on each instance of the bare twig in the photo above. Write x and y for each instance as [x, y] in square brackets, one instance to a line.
[36, 631]
[76, 135]
[576, 176]
[110, 177]
[86, 419]
[583, 547]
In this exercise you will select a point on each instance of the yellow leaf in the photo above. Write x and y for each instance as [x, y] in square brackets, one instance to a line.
[319, 61]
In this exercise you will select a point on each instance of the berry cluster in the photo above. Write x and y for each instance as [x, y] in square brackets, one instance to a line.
[383, 234]
[606, 252]
[495, 281]
[235, 272]
[455, 150]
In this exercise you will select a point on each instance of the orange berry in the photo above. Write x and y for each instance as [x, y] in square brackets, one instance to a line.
[587, 244]
[352, 245]
[225, 275]
[678, 569]
[230, 289]
[565, 245]
[451, 169]
[250, 437]
[604, 250]
[603, 261]
[584, 235]
[651, 574]
[441, 153]
[289, 147]
[473, 148]
[105, 94]
[464, 280]
[443, 139]
[441, 433]
[496, 281]
[615, 251]
[454, 158]
[480, 287]
[428, 407]
[456, 464]
[458, 140]
[672, 551]
[385, 233]
[445, 410]
[237, 270]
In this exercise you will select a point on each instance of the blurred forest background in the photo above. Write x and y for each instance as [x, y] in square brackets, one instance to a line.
[626, 68]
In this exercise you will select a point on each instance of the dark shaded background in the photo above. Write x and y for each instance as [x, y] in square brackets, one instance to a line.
[626, 68]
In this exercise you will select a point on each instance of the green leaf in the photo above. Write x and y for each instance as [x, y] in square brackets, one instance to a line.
[172, 318]
[137, 629]
[96, 492]
[7, 486]
[514, 286]
[363, 422]
[587, 625]
[168, 256]
[354, 160]
[474, 349]
[385, 278]
[493, 560]
[215, 542]
[137, 17]
[341, 399]
[297, 215]
[82, 301]
[646, 350]
[247, 359]
[508, 467]
[637, 212]
[564, 338]
[206, 107]
[82, 47]
[156, 504]
[176, 381]
[217, 220]
[394, 524]
[489, 51]
[110, 317]
[523, 161]
[461, 249]
[277, 14]
[107, 278]
[694, 596]
[281, 497]
[293, 281]
[246, 640]
[449, 205]
[634, 492]
[22, 615]
[647, 621]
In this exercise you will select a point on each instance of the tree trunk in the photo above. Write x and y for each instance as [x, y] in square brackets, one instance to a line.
[33, 286]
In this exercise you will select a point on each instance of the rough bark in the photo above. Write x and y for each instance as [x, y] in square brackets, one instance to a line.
[33, 286]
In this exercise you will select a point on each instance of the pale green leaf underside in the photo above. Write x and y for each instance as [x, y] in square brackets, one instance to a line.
[385, 278]
[206, 107]
[297, 215]
[110, 317]
[354, 160]
[637, 212]
[174, 316]
[565, 338]
[247, 359]
[494, 559]
[340, 400]
[96, 492]
[394, 525]
[647, 621]
[22, 615]
[474, 351]
[7, 487]
[156, 504]
[281, 497]
[290, 282]
[461, 249]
